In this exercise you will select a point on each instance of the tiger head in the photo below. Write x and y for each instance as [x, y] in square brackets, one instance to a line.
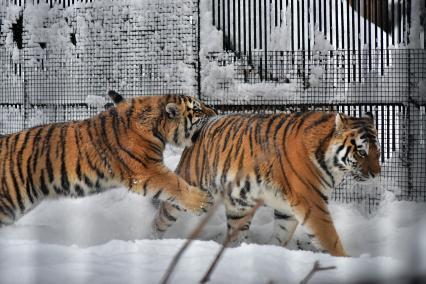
[355, 147]
[176, 119]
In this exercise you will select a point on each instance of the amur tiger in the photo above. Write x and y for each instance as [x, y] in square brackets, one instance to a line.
[121, 146]
[290, 161]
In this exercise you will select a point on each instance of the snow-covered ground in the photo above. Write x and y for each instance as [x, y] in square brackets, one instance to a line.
[104, 239]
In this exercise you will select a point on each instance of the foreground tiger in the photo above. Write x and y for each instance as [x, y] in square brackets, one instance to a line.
[122, 146]
[290, 161]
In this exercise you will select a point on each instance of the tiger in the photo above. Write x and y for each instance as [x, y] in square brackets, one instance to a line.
[121, 146]
[290, 161]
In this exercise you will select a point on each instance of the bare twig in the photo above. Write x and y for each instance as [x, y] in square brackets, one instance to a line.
[228, 239]
[194, 234]
[315, 269]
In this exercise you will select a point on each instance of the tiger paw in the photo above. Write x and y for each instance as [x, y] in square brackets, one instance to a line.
[196, 200]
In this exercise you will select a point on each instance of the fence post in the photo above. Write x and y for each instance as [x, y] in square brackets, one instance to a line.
[198, 51]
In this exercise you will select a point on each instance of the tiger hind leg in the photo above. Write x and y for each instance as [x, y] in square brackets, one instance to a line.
[284, 227]
[166, 216]
[234, 221]
[316, 220]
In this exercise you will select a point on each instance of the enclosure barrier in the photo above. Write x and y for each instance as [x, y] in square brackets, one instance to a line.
[151, 51]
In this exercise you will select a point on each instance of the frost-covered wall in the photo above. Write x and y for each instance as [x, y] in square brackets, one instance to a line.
[69, 53]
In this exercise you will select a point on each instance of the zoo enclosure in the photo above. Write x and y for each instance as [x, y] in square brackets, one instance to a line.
[58, 59]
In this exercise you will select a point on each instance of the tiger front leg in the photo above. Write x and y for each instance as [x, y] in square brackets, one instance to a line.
[316, 220]
[165, 185]
[165, 217]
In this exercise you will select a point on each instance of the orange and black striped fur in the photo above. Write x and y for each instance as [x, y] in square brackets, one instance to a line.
[122, 146]
[290, 161]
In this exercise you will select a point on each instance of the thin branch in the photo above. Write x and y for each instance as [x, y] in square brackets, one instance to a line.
[194, 234]
[315, 269]
[228, 239]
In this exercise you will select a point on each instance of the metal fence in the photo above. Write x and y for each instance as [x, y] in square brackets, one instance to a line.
[395, 92]
[40, 83]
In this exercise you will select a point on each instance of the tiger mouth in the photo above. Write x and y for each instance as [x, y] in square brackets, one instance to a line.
[359, 178]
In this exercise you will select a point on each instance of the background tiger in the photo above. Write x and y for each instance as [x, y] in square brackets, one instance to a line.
[291, 161]
[122, 146]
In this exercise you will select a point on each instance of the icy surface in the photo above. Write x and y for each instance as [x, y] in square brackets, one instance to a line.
[103, 239]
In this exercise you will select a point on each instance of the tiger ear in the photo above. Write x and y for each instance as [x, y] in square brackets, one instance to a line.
[172, 110]
[369, 115]
[340, 122]
[115, 97]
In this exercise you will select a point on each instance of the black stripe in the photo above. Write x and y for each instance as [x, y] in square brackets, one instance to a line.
[79, 190]
[157, 195]
[304, 117]
[281, 216]
[9, 211]
[324, 118]
[43, 185]
[108, 144]
[13, 177]
[19, 156]
[64, 172]
[130, 112]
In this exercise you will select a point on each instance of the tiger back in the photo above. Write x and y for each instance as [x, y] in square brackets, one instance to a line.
[122, 146]
[290, 161]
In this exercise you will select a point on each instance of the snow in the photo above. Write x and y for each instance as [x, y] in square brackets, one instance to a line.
[104, 239]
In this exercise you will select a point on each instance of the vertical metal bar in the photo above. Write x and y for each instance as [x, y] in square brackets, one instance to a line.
[330, 12]
[292, 24]
[399, 18]
[239, 26]
[382, 57]
[320, 15]
[369, 37]
[382, 144]
[408, 17]
[393, 21]
[298, 23]
[376, 26]
[250, 29]
[359, 41]
[266, 40]
[348, 35]
[309, 28]
[388, 130]
[353, 40]
[213, 12]
[260, 24]
[234, 34]
[336, 22]
[244, 28]
[198, 50]
[342, 17]
[225, 46]
[394, 130]
[314, 10]
[404, 32]
[365, 20]
[229, 24]
[218, 14]
[302, 18]
[325, 19]
[254, 25]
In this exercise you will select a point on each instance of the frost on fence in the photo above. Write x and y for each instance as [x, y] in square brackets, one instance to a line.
[134, 47]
